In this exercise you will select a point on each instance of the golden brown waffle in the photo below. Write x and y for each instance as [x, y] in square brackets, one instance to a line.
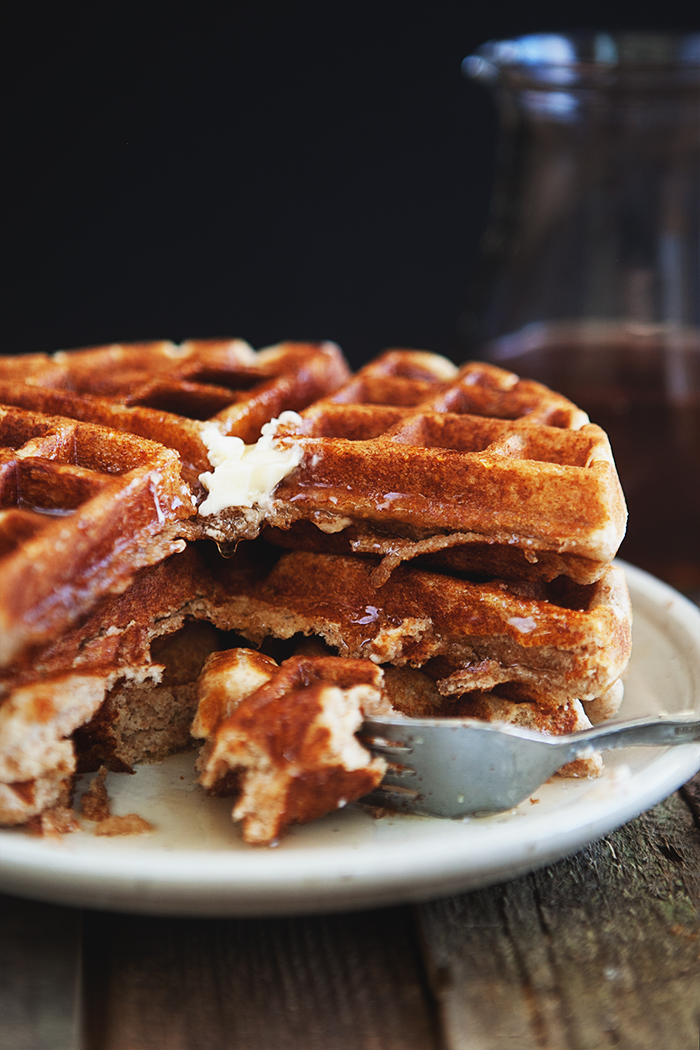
[167, 392]
[82, 508]
[501, 490]
[414, 457]
[559, 640]
[118, 688]
[284, 740]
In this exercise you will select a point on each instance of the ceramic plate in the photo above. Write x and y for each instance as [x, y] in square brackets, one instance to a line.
[194, 863]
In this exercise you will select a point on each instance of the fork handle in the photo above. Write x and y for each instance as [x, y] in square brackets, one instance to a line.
[645, 732]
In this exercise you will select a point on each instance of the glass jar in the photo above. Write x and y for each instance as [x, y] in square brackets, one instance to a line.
[589, 277]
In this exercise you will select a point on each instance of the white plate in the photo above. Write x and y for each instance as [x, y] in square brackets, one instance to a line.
[195, 864]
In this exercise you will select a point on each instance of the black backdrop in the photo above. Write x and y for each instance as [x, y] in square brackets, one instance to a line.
[264, 169]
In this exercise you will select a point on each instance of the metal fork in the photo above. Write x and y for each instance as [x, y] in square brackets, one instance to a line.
[451, 767]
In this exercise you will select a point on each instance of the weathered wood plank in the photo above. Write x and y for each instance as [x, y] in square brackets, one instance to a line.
[597, 952]
[350, 982]
[40, 951]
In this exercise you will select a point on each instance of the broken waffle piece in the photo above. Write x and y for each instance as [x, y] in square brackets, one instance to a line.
[129, 824]
[37, 760]
[569, 642]
[288, 750]
[227, 679]
[116, 690]
[94, 805]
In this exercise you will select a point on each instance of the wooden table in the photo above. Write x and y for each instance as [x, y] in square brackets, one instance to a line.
[598, 951]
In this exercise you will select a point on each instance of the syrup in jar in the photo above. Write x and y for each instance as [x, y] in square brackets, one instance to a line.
[589, 279]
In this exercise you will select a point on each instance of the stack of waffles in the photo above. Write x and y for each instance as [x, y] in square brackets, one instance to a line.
[415, 540]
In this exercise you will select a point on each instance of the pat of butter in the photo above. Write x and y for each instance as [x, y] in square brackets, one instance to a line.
[246, 475]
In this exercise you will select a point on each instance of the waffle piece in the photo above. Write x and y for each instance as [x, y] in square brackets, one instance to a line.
[498, 560]
[119, 688]
[81, 509]
[414, 694]
[168, 393]
[560, 639]
[287, 748]
[415, 457]
[37, 761]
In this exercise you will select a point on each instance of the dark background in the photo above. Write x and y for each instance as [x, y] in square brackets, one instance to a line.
[261, 169]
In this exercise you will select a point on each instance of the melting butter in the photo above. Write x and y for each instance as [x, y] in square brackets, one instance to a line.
[246, 475]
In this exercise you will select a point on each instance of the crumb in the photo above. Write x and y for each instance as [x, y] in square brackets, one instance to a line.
[95, 801]
[131, 824]
[534, 801]
[54, 823]
[59, 821]
[378, 812]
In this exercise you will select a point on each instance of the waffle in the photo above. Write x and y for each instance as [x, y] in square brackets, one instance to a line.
[414, 457]
[120, 687]
[117, 689]
[81, 509]
[281, 739]
[87, 496]
[561, 640]
[448, 536]
[168, 393]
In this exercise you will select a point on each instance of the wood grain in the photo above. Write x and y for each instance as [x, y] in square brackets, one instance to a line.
[346, 982]
[40, 989]
[597, 952]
